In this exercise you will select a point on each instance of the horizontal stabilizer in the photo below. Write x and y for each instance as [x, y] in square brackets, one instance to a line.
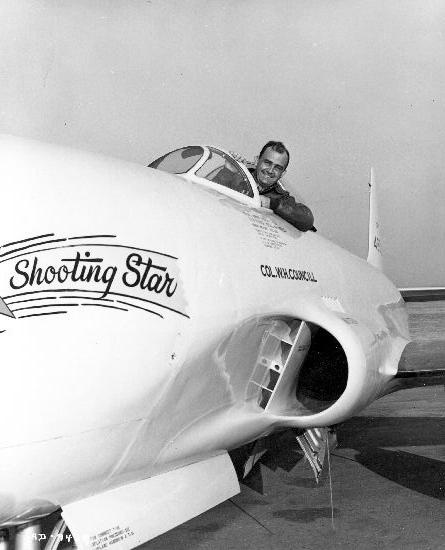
[130, 515]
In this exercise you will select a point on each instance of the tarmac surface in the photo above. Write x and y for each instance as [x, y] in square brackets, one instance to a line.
[387, 477]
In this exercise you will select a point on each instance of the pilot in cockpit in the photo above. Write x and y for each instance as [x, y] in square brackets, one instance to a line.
[272, 163]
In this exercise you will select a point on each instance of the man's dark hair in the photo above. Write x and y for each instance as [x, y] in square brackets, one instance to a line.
[277, 146]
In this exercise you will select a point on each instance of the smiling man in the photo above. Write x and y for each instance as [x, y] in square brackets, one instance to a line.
[271, 165]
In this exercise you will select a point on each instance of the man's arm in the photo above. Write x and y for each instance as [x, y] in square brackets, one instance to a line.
[284, 205]
[296, 213]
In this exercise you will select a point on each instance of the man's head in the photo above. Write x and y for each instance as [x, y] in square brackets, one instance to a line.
[272, 163]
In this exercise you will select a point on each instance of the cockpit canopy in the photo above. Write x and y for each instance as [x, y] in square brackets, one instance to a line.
[179, 161]
[213, 168]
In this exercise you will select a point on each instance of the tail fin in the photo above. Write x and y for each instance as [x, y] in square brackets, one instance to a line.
[375, 257]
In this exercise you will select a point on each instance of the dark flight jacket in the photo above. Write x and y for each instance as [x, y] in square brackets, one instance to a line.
[284, 205]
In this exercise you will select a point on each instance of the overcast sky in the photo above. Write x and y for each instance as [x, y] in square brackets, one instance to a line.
[346, 84]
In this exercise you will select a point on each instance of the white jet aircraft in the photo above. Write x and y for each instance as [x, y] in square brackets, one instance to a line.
[153, 319]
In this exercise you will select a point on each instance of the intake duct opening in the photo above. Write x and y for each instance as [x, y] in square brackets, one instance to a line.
[324, 374]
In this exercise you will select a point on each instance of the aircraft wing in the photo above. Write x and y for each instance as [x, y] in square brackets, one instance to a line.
[423, 360]
[129, 515]
[423, 294]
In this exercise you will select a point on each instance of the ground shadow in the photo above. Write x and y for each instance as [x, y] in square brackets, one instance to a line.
[282, 452]
[370, 431]
[418, 473]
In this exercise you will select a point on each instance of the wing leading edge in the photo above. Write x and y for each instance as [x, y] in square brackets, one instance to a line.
[135, 513]
[423, 360]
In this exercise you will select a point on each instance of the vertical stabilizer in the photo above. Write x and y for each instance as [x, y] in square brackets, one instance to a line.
[375, 257]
